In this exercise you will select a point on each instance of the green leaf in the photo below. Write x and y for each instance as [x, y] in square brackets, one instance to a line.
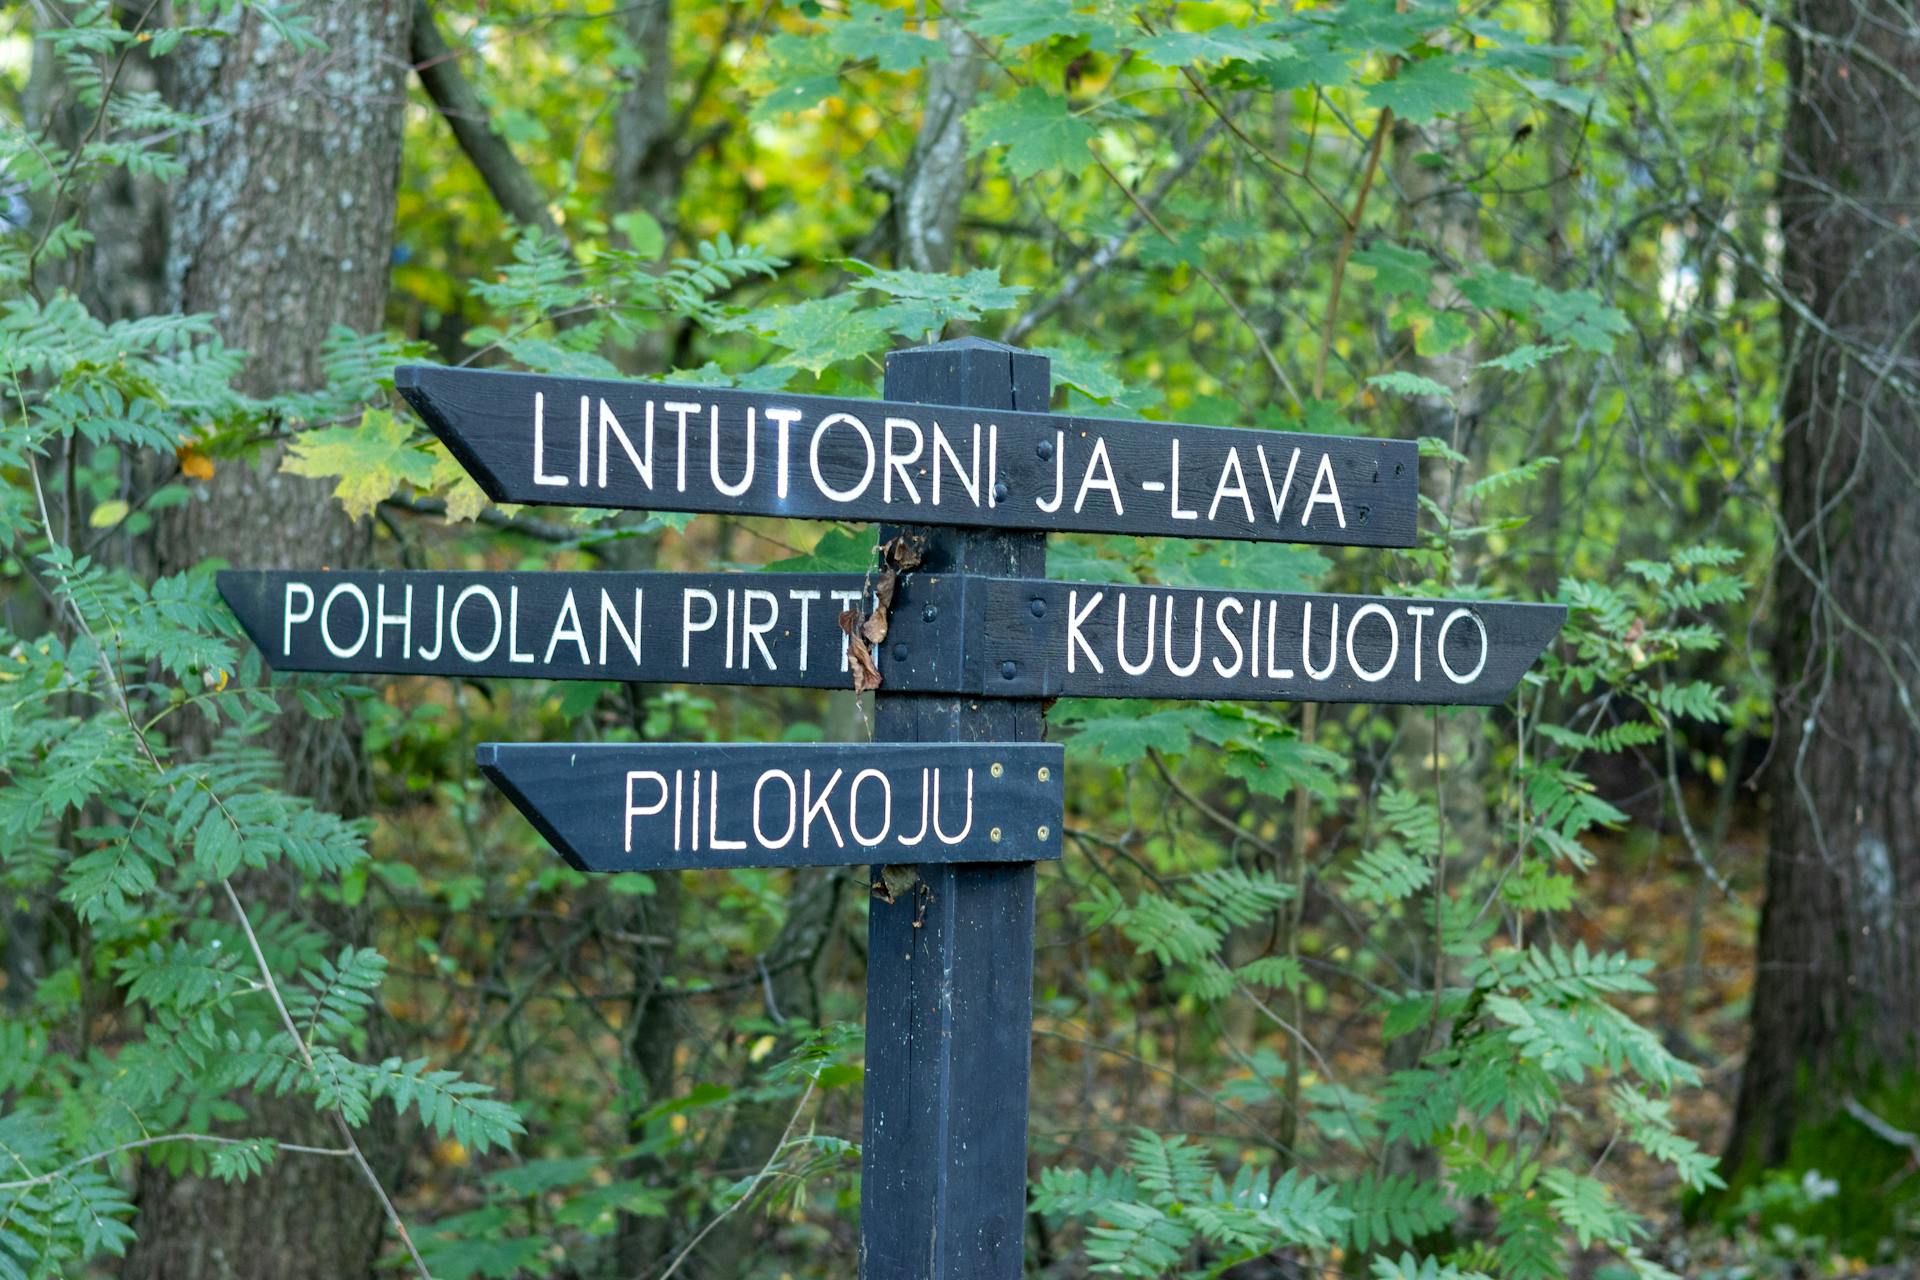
[1038, 130]
[1026, 22]
[1525, 357]
[643, 233]
[1424, 89]
[1402, 383]
[871, 31]
[1397, 272]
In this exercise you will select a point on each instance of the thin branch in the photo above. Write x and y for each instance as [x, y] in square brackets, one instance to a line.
[438, 67]
[97, 1156]
[753, 1184]
[1266, 351]
[1346, 250]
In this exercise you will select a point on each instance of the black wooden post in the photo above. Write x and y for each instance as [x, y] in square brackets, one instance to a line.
[950, 959]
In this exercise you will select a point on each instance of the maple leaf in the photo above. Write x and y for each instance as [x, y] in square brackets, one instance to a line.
[465, 499]
[1038, 130]
[370, 459]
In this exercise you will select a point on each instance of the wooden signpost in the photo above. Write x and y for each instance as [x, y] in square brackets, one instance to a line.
[584, 442]
[676, 807]
[948, 633]
[965, 462]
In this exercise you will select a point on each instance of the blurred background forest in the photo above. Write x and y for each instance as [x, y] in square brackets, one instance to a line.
[1621, 979]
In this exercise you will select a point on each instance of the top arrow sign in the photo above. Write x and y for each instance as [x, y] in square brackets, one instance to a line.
[584, 442]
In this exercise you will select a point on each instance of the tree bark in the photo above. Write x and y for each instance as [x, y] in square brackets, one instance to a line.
[646, 165]
[927, 212]
[1836, 1002]
[281, 228]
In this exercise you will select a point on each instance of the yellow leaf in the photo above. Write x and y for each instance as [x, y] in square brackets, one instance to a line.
[194, 464]
[108, 514]
[370, 460]
[465, 499]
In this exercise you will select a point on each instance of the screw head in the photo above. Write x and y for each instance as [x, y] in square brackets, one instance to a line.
[930, 613]
[1044, 449]
[1043, 833]
[899, 653]
[1009, 669]
[1000, 491]
[1045, 773]
[1365, 511]
[994, 835]
[1038, 608]
[996, 769]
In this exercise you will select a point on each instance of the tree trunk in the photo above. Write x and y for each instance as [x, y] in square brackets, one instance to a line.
[646, 172]
[281, 228]
[1836, 1002]
[927, 212]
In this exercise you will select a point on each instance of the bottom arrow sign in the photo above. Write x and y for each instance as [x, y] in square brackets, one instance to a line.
[659, 806]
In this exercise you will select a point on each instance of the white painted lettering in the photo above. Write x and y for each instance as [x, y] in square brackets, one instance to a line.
[540, 475]
[383, 620]
[1228, 634]
[513, 627]
[897, 463]
[786, 418]
[688, 626]
[567, 627]
[1179, 513]
[1099, 459]
[1238, 489]
[755, 633]
[812, 808]
[1440, 644]
[453, 623]
[326, 621]
[886, 808]
[1393, 642]
[630, 638]
[1325, 489]
[1120, 632]
[969, 480]
[866, 476]
[289, 617]
[1077, 618]
[793, 809]
[610, 424]
[634, 811]
[1419, 613]
[1306, 645]
[714, 839]
[713, 456]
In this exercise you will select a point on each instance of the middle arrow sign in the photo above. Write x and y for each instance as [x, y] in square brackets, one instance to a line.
[581, 442]
[1010, 637]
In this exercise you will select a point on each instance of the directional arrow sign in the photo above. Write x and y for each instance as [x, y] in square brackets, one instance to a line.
[1100, 640]
[1009, 637]
[654, 807]
[583, 442]
[693, 628]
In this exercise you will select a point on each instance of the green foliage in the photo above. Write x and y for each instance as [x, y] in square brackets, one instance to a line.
[1249, 907]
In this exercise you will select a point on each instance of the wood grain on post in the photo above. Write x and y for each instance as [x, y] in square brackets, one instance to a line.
[943, 1190]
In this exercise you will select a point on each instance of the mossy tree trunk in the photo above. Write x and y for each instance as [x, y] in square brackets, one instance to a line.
[1836, 1003]
[281, 228]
